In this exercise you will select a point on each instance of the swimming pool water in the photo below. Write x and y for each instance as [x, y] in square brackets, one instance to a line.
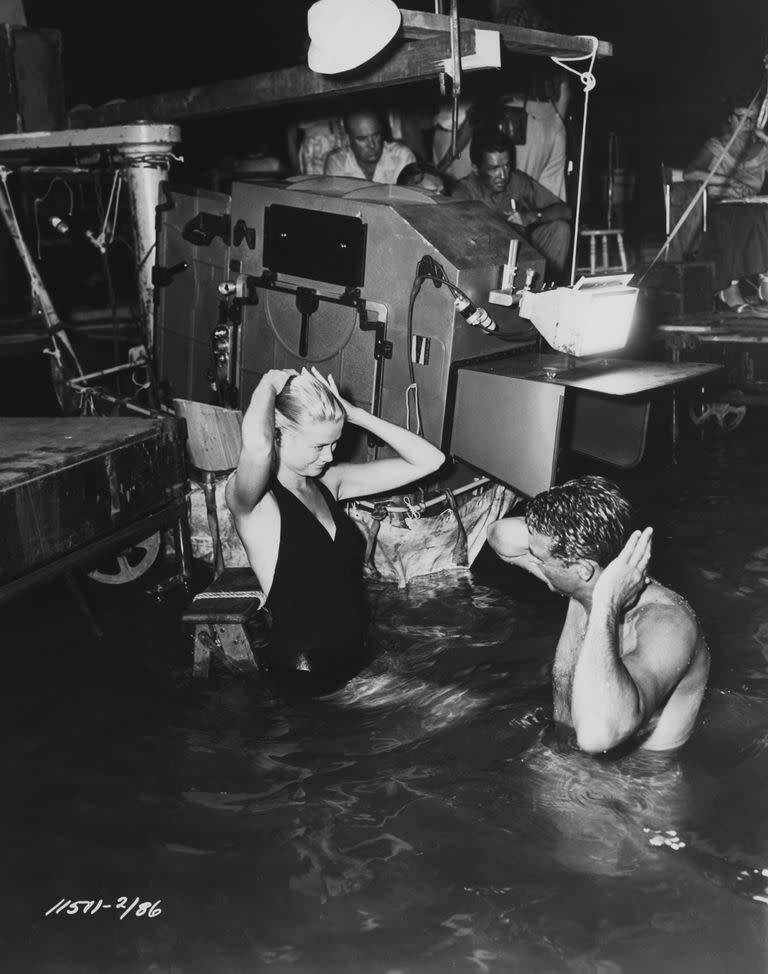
[426, 818]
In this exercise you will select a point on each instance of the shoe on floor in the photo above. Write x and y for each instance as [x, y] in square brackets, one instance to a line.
[740, 308]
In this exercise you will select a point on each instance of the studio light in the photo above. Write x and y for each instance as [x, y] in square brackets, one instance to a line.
[592, 317]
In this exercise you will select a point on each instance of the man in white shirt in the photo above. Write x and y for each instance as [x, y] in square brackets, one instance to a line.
[369, 156]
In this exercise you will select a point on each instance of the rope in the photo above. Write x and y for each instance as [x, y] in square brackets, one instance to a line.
[157, 160]
[240, 594]
[100, 241]
[587, 78]
[414, 510]
[413, 386]
[245, 594]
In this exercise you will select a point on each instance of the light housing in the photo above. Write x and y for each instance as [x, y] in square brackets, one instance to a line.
[592, 317]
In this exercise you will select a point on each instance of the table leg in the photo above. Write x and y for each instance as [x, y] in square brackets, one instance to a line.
[209, 491]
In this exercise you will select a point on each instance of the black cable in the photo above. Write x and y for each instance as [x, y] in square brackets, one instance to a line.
[455, 289]
[428, 269]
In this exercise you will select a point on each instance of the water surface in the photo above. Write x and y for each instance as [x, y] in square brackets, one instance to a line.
[423, 819]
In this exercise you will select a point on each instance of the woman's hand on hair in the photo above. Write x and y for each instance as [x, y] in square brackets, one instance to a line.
[353, 412]
[275, 379]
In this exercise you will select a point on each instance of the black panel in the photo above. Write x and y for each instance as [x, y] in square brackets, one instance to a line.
[328, 247]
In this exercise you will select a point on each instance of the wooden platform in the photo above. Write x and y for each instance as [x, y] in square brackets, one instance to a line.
[72, 489]
[710, 323]
[739, 342]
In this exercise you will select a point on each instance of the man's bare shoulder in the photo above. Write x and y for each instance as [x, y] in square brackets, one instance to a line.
[663, 617]
[658, 600]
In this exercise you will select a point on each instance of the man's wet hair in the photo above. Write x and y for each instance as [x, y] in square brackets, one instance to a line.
[489, 139]
[413, 174]
[584, 518]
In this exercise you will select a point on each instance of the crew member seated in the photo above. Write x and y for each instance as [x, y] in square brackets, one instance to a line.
[534, 211]
[285, 497]
[369, 156]
[736, 240]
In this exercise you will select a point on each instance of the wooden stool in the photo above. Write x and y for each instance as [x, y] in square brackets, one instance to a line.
[229, 621]
[605, 267]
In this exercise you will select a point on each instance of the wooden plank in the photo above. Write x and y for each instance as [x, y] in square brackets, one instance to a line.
[35, 446]
[516, 40]
[410, 61]
[418, 55]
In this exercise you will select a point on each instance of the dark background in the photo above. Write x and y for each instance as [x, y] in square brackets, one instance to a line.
[661, 93]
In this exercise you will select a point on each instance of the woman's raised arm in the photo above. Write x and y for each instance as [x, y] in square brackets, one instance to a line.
[416, 456]
[254, 468]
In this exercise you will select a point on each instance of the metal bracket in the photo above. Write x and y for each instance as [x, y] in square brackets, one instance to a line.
[163, 276]
[243, 232]
[203, 228]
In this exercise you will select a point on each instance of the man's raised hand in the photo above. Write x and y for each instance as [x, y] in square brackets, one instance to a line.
[622, 581]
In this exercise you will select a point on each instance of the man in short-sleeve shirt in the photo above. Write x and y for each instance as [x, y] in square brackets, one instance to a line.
[369, 156]
[540, 215]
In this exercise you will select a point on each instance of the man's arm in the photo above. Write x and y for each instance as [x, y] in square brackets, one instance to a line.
[417, 457]
[614, 695]
[540, 206]
[699, 169]
[509, 539]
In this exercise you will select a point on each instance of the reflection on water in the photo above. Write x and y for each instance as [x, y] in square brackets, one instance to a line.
[427, 817]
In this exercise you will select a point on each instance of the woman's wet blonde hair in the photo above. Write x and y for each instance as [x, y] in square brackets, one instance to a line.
[304, 399]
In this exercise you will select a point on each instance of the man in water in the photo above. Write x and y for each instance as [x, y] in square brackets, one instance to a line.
[631, 664]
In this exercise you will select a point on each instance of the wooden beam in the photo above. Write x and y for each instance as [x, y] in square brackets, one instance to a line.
[516, 40]
[415, 60]
[421, 51]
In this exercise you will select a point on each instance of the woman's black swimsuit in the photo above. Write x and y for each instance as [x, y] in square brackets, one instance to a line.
[317, 600]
